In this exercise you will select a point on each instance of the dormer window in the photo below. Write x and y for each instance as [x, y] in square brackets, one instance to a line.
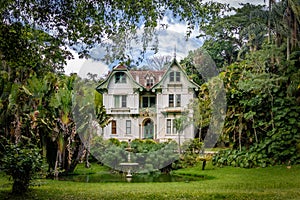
[150, 82]
[174, 76]
[120, 77]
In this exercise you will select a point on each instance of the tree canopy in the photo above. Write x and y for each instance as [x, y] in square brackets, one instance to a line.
[82, 24]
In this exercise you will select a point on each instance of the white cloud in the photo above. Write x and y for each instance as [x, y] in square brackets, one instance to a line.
[169, 40]
[94, 67]
[173, 37]
[84, 66]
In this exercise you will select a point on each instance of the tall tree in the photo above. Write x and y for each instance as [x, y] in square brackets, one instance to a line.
[229, 38]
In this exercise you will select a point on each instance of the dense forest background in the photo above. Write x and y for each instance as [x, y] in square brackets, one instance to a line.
[256, 49]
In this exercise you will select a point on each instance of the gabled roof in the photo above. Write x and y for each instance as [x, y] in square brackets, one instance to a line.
[138, 77]
[141, 75]
[120, 67]
[104, 85]
[175, 62]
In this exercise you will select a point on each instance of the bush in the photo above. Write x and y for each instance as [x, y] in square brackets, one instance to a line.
[20, 161]
[190, 157]
[260, 155]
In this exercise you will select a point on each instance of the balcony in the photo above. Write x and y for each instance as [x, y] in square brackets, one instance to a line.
[124, 110]
[173, 110]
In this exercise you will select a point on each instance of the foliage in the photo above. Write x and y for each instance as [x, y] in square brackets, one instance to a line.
[265, 135]
[202, 111]
[261, 83]
[150, 155]
[234, 35]
[20, 161]
[191, 154]
[83, 24]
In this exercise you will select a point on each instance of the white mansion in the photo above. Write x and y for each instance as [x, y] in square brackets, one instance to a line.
[143, 104]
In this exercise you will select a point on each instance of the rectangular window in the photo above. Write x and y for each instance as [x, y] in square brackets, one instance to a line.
[174, 129]
[117, 101]
[178, 100]
[113, 127]
[171, 76]
[124, 101]
[149, 102]
[120, 77]
[171, 100]
[174, 76]
[128, 127]
[169, 126]
[177, 76]
[145, 102]
[120, 101]
[152, 101]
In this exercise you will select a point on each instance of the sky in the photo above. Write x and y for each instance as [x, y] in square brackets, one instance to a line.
[173, 37]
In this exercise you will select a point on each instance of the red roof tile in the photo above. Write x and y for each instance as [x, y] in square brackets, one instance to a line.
[141, 75]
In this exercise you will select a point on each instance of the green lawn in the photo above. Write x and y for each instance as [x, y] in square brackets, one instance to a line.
[277, 182]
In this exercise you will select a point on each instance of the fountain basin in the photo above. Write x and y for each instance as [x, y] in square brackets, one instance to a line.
[128, 166]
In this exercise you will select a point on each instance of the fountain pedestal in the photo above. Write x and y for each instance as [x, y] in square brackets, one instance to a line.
[128, 166]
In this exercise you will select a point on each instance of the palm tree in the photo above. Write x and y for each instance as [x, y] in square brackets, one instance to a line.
[180, 123]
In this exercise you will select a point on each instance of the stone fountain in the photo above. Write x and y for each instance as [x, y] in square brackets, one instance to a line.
[128, 166]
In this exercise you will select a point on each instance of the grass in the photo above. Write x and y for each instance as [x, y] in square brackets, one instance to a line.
[277, 182]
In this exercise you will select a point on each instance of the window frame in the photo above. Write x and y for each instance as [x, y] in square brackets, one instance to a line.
[177, 76]
[174, 76]
[149, 82]
[123, 101]
[128, 127]
[147, 103]
[120, 101]
[114, 127]
[169, 126]
[171, 100]
[178, 100]
[120, 77]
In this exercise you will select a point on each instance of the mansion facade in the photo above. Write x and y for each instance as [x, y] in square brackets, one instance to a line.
[143, 104]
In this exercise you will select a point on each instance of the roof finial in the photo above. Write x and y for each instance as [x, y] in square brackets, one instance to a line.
[175, 52]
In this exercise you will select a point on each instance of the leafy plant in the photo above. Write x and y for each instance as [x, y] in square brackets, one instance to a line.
[20, 161]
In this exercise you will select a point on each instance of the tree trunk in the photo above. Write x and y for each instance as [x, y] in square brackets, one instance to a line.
[269, 21]
[78, 153]
[288, 48]
[254, 129]
[87, 154]
[294, 32]
[57, 163]
[20, 187]
[179, 145]
[240, 132]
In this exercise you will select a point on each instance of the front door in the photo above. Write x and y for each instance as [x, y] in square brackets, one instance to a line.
[148, 129]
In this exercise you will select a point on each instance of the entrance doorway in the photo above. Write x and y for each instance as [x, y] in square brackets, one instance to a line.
[148, 128]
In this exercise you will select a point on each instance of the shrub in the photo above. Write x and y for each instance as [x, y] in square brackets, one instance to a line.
[190, 156]
[20, 161]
